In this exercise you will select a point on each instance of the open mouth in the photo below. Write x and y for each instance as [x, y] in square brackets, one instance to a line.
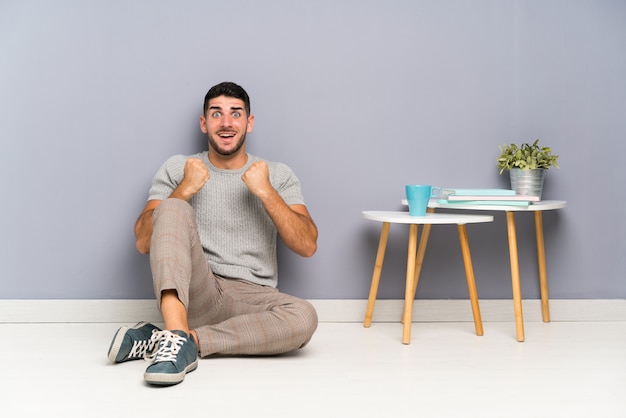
[226, 135]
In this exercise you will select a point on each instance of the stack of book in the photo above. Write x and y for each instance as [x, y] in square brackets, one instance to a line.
[500, 197]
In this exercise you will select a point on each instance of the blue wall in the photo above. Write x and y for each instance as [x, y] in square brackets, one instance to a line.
[359, 97]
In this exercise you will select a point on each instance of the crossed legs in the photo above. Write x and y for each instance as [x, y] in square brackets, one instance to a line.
[225, 316]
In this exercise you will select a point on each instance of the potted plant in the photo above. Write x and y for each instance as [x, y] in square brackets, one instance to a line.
[527, 165]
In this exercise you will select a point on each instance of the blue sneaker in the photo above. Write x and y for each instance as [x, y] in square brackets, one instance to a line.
[176, 356]
[132, 343]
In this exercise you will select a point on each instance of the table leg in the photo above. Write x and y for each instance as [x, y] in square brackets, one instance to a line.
[541, 259]
[471, 283]
[378, 266]
[515, 279]
[410, 278]
[421, 251]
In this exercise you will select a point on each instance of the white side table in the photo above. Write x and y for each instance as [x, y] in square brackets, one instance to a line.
[415, 259]
[537, 209]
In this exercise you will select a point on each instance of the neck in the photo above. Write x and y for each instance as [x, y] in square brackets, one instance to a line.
[228, 162]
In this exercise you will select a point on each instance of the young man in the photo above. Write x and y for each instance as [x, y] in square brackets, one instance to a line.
[210, 226]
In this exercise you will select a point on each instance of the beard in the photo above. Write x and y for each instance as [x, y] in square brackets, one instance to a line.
[226, 152]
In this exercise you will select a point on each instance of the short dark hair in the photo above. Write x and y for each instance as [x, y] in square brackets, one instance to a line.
[227, 89]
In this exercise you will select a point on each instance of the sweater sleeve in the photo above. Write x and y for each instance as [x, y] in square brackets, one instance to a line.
[167, 178]
[286, 184]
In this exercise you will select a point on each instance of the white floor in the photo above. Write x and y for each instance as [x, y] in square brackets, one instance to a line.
[564, 369]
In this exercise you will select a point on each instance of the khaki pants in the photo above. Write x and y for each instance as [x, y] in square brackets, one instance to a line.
[230, 316]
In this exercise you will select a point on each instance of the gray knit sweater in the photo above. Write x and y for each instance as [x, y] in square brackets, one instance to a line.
[238, 236]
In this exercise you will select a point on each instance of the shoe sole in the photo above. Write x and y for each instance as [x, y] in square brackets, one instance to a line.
[169, 379]
[118, 339]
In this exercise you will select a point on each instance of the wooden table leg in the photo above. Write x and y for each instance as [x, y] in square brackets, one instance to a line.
[471, 283]
[541, 259]
[421, 251]
[378, 266]
[410, 278]
[515, 279]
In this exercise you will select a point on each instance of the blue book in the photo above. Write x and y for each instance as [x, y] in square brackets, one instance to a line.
[484, 202]
[478, 192]
[513, 198]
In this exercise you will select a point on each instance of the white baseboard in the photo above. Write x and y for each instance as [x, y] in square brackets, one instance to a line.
[353, 310]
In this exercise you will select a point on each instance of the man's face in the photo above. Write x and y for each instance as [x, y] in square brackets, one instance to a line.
[226, 124]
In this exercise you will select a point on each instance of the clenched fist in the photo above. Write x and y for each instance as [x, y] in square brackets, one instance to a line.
[196, 175]
[257, 178]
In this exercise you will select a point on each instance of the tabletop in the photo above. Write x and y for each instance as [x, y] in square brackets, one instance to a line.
[428, 219]
[536, 206]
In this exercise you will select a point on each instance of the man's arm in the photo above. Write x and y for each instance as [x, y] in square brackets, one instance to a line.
[143, 227]
[196, 175]
[295, 226]
[294, 223]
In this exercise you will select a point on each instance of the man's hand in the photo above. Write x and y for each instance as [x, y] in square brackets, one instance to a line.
[257, 178]
[294, 223]
[195, 177]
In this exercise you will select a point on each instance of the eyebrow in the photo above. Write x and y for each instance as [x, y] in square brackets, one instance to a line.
[220, 108]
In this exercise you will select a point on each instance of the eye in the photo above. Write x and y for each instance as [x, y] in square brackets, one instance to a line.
[236, 114]
[216, 114]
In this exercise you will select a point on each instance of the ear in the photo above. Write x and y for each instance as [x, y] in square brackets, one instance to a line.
[250, 123]
[203, 124]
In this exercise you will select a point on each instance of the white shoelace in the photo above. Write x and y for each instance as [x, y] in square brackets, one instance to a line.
[142, 347]
[169, 346]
